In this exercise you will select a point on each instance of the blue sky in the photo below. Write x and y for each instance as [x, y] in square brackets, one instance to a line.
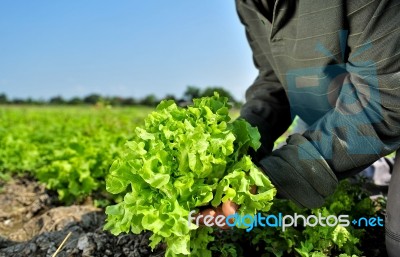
[125, 48]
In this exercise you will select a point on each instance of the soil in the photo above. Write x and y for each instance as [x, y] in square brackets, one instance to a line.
[33, 224]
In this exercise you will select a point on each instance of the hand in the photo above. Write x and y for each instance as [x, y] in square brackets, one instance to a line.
[225, 209]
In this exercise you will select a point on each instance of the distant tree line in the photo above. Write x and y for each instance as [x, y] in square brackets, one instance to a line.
[95, 99]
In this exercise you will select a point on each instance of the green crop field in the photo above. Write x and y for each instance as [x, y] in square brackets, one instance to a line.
[70, 150]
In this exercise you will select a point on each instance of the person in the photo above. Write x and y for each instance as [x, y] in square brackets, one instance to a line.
[336, 65]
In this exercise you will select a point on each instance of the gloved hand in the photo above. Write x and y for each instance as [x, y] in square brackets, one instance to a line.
[299, 173]
[270, 124]
[251, 112]
[297, 170]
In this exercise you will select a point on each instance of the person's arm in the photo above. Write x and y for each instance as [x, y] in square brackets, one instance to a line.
[267, 106]
[364, 123]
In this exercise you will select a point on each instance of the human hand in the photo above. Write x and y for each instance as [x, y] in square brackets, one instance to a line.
[217, 216]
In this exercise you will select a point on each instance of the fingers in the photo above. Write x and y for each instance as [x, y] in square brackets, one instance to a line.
[226, 209]
[253, 189]
[211, 214]
[221, 212]
[207, 212]
[229, 208]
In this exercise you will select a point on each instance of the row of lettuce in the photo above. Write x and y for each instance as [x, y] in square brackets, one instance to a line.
[71, 150]
[68, 149]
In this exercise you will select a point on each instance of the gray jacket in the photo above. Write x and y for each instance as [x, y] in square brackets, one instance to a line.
[335, 64]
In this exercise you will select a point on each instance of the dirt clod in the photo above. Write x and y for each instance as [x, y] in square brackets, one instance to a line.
[32, 225]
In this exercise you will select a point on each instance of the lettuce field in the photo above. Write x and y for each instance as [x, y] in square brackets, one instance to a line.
[68, 149]
[61, 171]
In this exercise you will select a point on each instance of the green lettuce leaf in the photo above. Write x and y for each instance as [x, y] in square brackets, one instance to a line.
[180, 160]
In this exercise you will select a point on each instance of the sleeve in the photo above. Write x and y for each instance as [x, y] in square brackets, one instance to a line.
[267, 106]
[364, 123]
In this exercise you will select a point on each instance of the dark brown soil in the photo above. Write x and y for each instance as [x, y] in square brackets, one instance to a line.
[31, 224]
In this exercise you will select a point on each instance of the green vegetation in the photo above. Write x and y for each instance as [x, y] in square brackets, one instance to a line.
[71, 150]
[182, 159]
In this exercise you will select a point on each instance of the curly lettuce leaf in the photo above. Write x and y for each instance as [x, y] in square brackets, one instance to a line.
[182, 159]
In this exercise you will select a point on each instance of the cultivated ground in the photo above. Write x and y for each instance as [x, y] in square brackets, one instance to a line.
[32, 224]
[70, 150]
